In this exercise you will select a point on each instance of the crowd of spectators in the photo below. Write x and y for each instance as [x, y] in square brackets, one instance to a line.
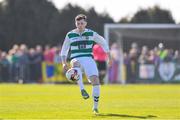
[137, 56]
[23, 64]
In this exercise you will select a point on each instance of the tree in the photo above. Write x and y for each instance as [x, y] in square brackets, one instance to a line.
[96, 21]
[28, 21]
[124, 20]
[161, 16]
[39, 22]
[152, 15]
[67, 15]
[2, 42]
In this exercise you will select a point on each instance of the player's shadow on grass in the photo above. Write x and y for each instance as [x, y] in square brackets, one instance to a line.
[126, 116]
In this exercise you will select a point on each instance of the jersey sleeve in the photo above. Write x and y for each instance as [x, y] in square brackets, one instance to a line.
[65, 47]
[101, 41]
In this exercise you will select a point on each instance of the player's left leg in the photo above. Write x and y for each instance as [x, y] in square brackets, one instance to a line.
[95, 91]
[92, 74]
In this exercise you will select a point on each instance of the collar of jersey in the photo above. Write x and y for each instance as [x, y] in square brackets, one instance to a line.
[85, 30]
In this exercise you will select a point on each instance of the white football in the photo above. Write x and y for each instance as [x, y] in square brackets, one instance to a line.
[72, 75]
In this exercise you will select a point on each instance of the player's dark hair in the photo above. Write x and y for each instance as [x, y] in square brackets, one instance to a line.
[80, 17]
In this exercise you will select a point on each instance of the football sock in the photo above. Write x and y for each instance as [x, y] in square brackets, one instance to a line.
[95, 94]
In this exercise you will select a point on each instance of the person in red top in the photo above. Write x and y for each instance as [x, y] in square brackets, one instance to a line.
[49, 54]
[100, 57]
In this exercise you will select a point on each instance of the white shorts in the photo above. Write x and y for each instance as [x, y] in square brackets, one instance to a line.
[88, 65]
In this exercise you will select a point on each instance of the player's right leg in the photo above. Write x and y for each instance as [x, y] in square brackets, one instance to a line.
[75, 64]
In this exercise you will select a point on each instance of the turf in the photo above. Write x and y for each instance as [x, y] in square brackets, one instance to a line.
[65, 102]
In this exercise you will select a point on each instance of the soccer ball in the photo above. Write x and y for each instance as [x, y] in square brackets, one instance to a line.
[72, 75]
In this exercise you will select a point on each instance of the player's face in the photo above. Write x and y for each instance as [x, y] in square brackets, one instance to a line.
[81, 24]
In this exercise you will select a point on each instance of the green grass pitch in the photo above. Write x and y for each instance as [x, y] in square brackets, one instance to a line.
[47, 101]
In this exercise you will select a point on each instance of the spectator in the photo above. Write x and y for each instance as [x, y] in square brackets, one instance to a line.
[38, 61]
[23, 64]
[32, 65]
[135, 47]
[176, 56]
[4, 66]
[169, 56]
[133, 66]
[143, 58]
[10, 59]
[162, 52]
[0, 53]
[14, 70]
[153, 57]
[49, 54]
[100, 58]
[57, 58]
[114, 69]
[0, 66]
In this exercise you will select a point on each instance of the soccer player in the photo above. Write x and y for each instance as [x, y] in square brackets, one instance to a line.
[80, 42]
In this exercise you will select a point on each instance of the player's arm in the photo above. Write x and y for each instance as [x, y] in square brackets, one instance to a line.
[103, 43]
[64, 53]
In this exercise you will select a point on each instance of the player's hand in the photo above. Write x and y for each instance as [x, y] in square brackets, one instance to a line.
[65, 68]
